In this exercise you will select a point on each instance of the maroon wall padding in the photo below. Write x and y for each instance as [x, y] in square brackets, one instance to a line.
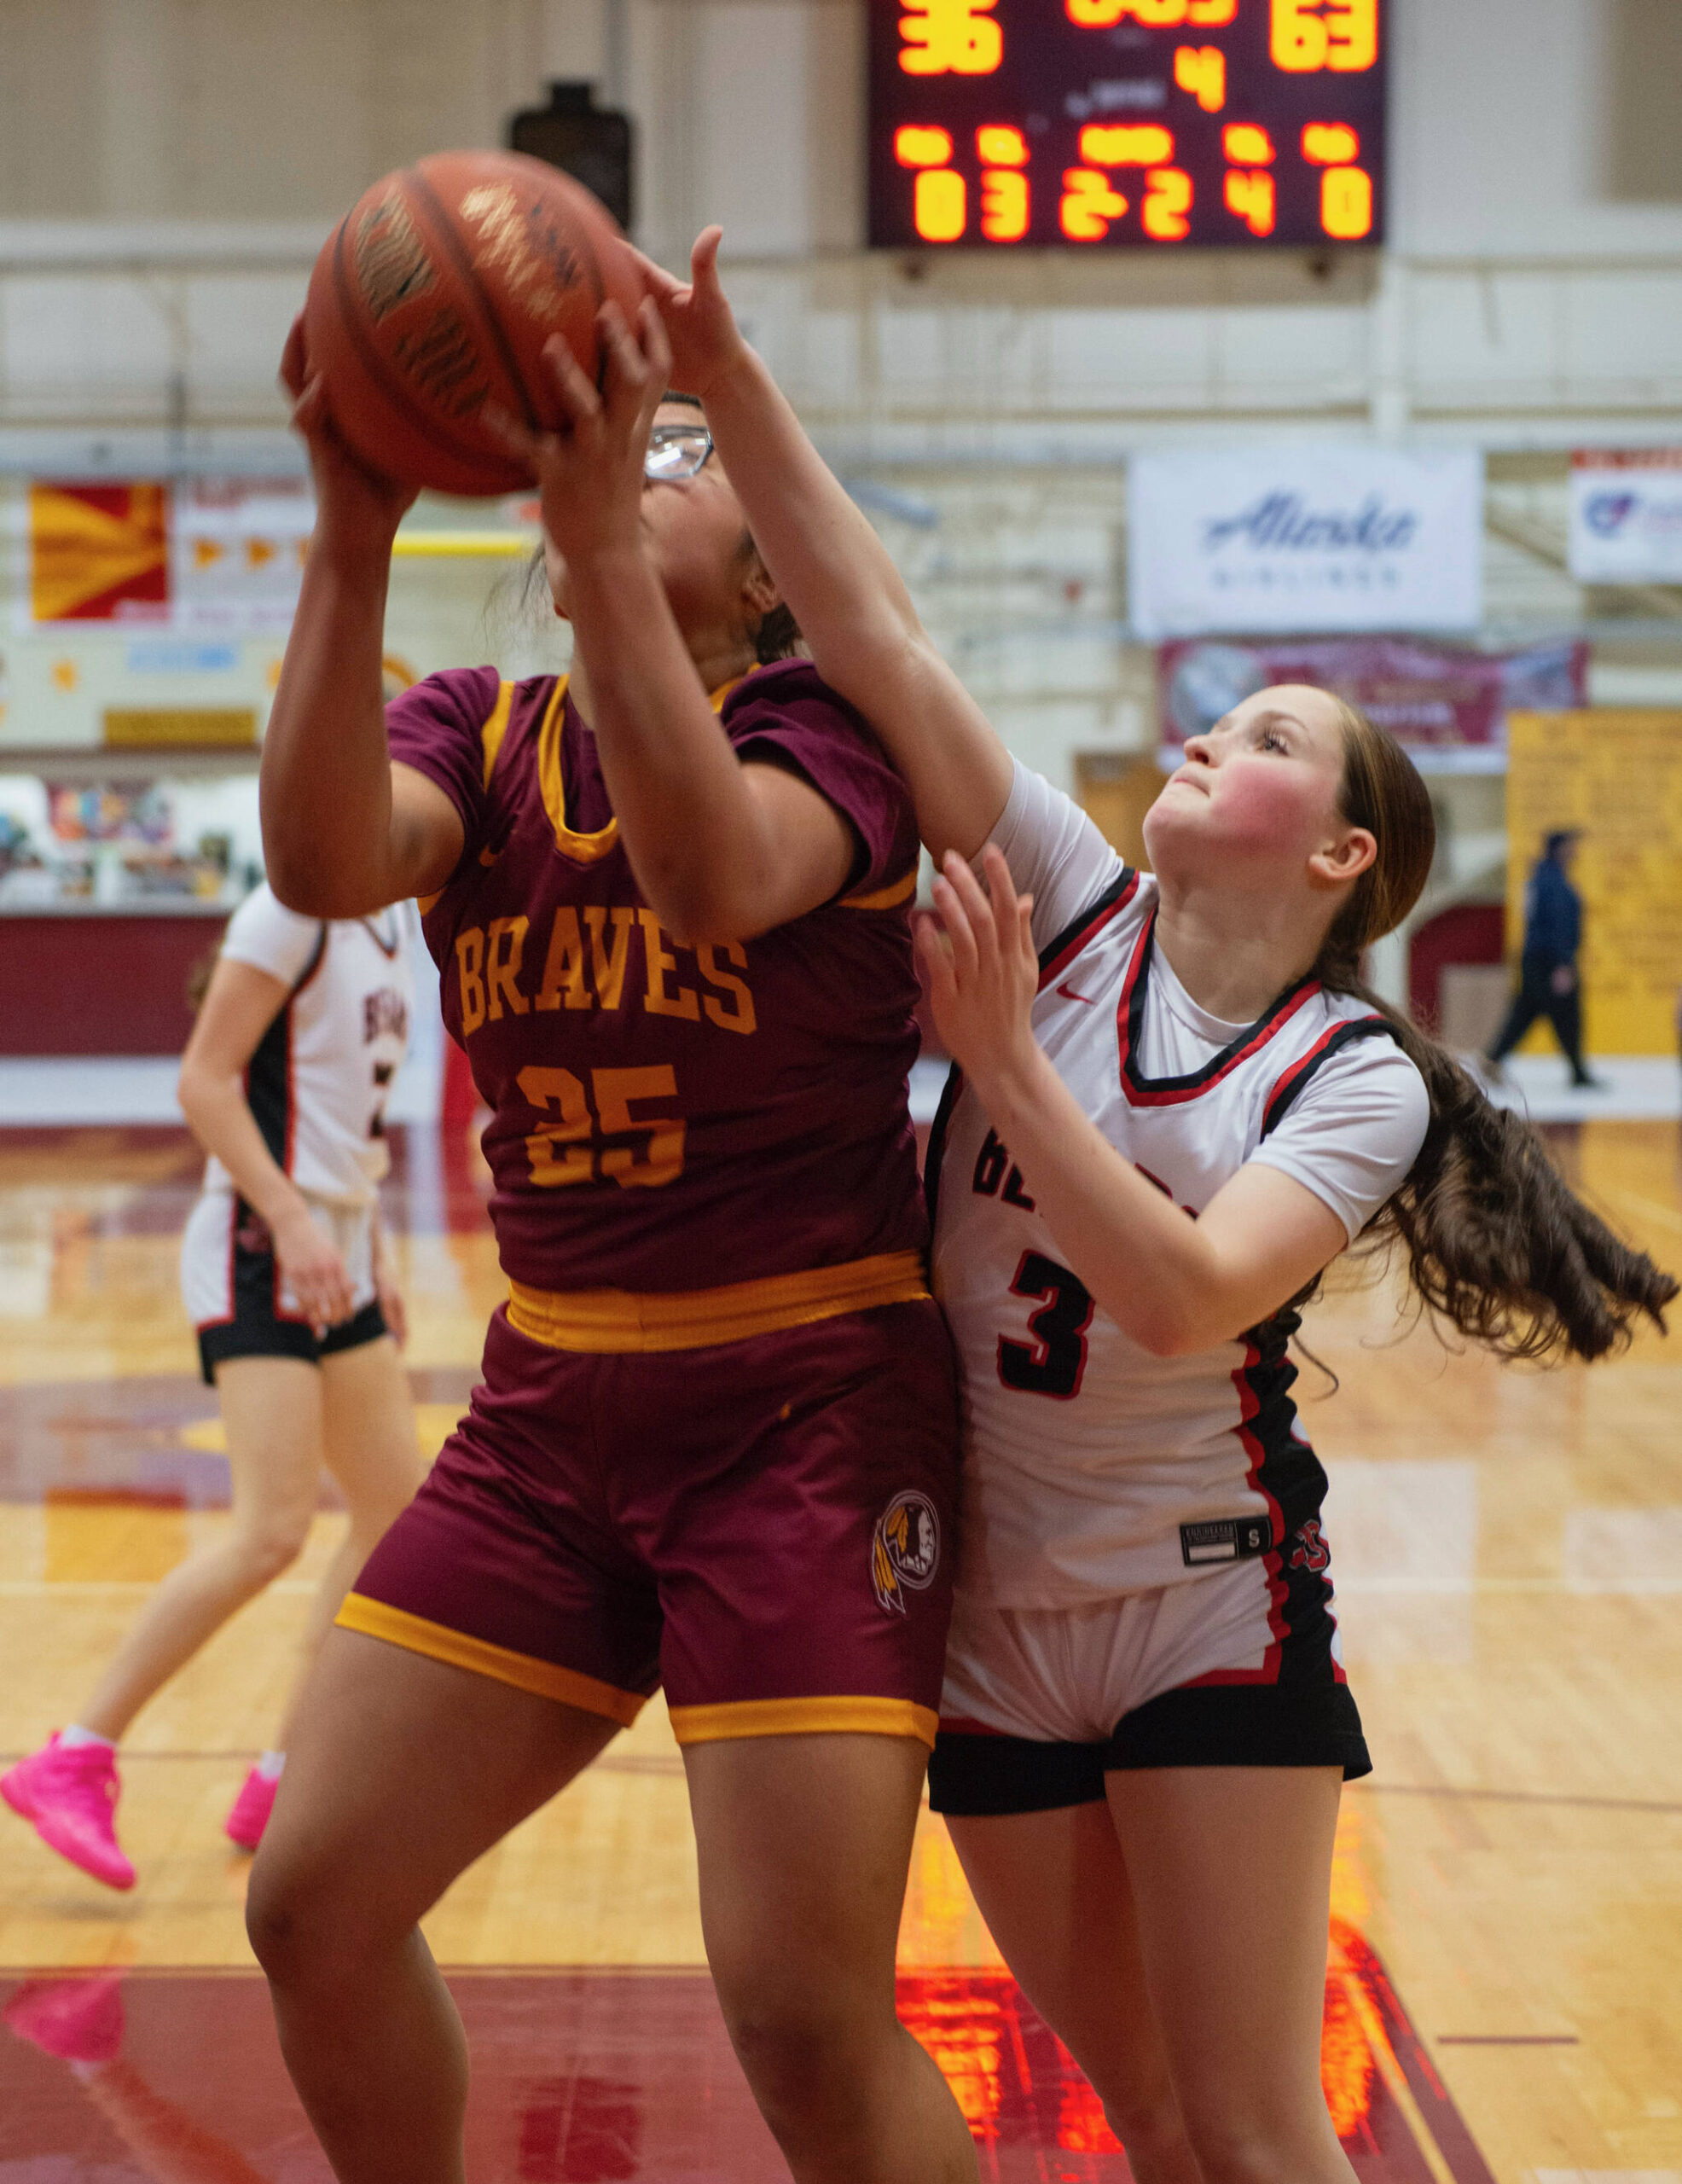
[1467, 932]
[99, 985]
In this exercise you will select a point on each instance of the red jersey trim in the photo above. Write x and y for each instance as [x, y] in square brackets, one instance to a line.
[1091, 922]
[1285, 1089]
[1273, 1562]
[1143, 1091]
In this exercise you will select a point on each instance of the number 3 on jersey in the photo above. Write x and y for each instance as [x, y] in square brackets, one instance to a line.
[1053, 1364]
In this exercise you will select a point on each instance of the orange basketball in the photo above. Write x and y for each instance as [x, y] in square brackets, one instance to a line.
[435, 296]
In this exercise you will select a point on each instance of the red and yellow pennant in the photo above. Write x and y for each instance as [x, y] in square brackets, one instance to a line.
[99, 553]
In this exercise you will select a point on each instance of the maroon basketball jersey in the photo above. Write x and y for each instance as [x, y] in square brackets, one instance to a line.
[665, 1118]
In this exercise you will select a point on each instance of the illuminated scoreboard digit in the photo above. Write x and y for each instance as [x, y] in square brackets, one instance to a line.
[1131, 125]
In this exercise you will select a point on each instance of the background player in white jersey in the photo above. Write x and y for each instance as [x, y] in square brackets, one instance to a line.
[1149, 1722]
[302, 1029]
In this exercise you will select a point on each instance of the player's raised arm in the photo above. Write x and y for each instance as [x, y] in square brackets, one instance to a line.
[344, 832]
[722, 848]
[852, 606]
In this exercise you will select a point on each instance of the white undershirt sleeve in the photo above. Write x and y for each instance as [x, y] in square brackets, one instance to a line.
[270, 937]
[1054, 852]
[1354, 1131]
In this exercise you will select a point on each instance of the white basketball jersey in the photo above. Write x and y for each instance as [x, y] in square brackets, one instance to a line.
[1093, 1466]
[322, 1071]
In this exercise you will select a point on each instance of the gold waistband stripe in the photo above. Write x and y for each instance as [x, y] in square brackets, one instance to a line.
[605, 1320]
[884, 899]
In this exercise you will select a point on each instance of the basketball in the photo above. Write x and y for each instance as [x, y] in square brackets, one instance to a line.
[434, 296]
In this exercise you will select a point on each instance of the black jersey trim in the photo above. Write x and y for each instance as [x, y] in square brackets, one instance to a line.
[1285, 1090]
[269, 1092]
[379, 939]
[937, 1152]
[317, 957]
[1056, 957]
[1143, 1091]
[1285, 1471]
[269, 1087]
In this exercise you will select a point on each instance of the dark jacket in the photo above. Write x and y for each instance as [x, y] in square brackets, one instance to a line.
[1553, 914]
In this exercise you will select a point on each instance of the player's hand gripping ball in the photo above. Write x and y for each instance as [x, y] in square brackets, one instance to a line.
[431, 301]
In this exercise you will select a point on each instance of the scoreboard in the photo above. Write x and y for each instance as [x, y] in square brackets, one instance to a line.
[1126, 124]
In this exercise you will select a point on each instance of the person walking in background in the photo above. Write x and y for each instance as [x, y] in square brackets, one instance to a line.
[1549, 984]
[301, 1031]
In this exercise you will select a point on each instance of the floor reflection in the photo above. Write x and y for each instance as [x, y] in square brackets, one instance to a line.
[585, 2076]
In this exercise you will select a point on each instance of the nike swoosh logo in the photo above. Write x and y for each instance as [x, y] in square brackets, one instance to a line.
[1070, 994]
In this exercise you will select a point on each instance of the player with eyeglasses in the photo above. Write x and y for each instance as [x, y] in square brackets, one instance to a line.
[715, 1446]
[677, 451]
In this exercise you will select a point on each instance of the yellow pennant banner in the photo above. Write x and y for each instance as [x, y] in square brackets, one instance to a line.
[99, 553]
[1616, 778]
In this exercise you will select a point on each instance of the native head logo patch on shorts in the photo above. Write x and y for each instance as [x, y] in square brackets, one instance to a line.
[905, 1550]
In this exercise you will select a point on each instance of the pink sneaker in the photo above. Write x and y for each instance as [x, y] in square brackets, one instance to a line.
[71, 1798]
[78, 2020]
[251, 1807]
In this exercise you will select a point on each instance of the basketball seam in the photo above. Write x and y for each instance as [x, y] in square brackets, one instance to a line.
[464, 267]
[598, 288]
[396, 391]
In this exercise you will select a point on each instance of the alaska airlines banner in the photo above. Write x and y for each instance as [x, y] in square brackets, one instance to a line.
[1627, 516]
[1449, 703]
[1293, 539]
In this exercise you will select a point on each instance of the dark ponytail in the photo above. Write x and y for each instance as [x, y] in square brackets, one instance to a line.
[1496, 1243]
[778, 637]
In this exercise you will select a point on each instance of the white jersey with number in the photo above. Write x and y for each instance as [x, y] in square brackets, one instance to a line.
[1092, 1467]
[318, 1082]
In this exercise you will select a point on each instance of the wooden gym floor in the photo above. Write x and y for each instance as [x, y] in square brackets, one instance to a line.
[1507, 1938]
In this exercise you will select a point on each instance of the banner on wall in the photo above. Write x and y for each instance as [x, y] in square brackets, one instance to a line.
[99, 553]
[1575, 769]
[206, 554]
[238, 547]
[1447, 704]
[1625, 523]
[1287, 538]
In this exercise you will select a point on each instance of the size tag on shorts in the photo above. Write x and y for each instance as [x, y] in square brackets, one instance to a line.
[1228, 1539]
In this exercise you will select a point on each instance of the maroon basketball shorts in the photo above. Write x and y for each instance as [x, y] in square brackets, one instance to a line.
[764, 1524]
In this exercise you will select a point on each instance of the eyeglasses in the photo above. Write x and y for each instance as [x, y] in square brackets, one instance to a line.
[677, 451]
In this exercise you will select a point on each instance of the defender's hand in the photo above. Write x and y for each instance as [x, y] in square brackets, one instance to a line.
[984, 973]
[706, 342]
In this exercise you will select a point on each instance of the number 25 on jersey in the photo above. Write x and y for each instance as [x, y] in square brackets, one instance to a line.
[568, 1148]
